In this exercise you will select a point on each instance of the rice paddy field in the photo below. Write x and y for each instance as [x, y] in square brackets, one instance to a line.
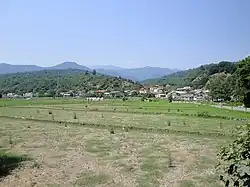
[73, 142]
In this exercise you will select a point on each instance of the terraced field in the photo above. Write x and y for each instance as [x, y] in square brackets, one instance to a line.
[114, 143]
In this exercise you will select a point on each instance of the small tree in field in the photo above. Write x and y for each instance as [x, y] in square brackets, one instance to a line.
[170, 98]
[235, 160]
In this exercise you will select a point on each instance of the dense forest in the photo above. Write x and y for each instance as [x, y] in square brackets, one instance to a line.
[52, 82]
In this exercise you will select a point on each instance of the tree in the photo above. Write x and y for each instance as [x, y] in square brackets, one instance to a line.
[170, 98]
[235, 160]
[1, 95]
[243, 72]
[220, 86]
[94, 72]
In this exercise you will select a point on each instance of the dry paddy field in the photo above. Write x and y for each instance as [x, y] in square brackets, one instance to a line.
[112, 143]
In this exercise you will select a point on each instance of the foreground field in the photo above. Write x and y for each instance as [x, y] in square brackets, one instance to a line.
[114, 143]
[79, 156]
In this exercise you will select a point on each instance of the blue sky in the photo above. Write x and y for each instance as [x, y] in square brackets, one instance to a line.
[126, 33]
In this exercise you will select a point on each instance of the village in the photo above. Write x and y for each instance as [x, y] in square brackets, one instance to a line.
[150, 91]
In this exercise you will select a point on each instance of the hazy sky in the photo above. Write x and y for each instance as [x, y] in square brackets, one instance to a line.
[127, 33]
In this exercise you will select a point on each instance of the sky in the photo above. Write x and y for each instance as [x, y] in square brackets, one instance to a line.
[127, 33]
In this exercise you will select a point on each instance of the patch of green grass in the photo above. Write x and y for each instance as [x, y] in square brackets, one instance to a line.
[9, 162]
[90, 179]
[192, 124]
[97, 147]
[186, 183]
[209, 180]
[153, 171]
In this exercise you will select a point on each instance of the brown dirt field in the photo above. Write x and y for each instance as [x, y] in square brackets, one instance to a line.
[74, 155]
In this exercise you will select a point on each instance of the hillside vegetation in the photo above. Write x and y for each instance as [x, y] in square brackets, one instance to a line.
[196, 77]
[225, 80]
[51, 82]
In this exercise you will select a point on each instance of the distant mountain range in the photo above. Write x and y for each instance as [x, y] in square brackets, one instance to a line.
[8, 68]
[135, 74]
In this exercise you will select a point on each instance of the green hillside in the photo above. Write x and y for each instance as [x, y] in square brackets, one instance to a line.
[51, 82]
[196, 77]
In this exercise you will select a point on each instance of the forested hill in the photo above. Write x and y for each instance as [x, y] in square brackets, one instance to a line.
[51, 82]
[196, 77]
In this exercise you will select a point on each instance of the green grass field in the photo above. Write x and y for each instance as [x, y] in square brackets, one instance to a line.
[114, 143]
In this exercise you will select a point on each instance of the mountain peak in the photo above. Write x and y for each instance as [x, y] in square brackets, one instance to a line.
[69, 65]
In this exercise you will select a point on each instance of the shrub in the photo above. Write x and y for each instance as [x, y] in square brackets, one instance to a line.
[220, 125]
[53, 117]
[50, 112]
[203, 114]
[178, 110]
[124, 98]
[170, 98]
[112, 131]
[169, 123]
[37, 111]
[168, 109]
[75, 117]
[10, 139]
[235, 160]
[170, 159]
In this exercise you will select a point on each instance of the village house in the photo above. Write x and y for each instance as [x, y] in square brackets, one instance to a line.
[13, 95]
[66, 94]
[143, 91]
[28, 95]
[161, 96]
[156, 89]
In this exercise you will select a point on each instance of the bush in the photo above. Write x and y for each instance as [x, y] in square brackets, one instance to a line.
[9, 162]
[124, 98]
[112, 131]
[169, 123]
[75, 117]
[170, 98]
[203, 114]
[235, 160]
[10, 139]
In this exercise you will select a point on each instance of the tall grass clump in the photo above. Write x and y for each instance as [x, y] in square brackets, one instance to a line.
[74, 116]
[169, 123]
